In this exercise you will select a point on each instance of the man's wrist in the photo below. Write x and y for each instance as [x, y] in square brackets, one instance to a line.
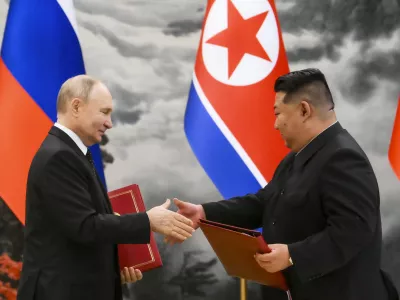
[201, 211]
[290, 257]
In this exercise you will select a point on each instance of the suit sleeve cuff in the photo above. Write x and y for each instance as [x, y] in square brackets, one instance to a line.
[141, 234]
[210, 213]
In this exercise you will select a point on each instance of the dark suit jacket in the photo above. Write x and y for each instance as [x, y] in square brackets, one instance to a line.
[324, 204]
[70, 250]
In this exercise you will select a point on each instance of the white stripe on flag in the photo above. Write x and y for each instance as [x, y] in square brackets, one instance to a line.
[228, 134]
[69, 10]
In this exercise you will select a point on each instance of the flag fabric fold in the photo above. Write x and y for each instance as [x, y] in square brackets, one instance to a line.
[229, 118]
[40, 50]
[394, 147]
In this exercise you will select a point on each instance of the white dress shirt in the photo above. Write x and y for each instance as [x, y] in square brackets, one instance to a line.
[73, 136]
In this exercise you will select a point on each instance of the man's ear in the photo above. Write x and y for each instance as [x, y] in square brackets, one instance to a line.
[76, 104]
[306, 109]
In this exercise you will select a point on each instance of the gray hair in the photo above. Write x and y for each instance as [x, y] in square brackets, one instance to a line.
[78, 86]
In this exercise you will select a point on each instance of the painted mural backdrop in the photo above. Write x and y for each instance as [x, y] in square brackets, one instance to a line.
[145, 52]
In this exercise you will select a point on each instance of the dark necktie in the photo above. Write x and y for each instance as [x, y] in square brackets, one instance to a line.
[90, 159]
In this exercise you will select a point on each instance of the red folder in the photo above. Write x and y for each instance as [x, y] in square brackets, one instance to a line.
[235, 247]
[140, 256]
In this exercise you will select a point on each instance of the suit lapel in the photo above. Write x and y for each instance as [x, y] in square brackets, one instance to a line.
[66, 139]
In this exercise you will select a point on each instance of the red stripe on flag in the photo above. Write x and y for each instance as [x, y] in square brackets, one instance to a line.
[394, 147]
[247, 110]
[24, 127]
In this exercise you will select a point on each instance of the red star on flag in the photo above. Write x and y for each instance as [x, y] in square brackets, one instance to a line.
[240, 37]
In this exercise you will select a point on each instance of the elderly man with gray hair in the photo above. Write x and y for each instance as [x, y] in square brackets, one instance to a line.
[71, 232]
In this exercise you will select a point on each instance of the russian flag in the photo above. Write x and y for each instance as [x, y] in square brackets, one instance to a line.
[40, 50]
[229, 118]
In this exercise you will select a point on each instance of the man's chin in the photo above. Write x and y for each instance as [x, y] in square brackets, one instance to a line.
[287, 144]
[95, 140]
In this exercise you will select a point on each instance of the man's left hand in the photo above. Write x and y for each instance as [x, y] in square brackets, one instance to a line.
[129, 275]
[276, 260]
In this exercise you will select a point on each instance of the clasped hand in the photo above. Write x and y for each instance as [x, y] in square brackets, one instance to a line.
[191, 211]
[130, 275]
[169, 223]
[276, 260]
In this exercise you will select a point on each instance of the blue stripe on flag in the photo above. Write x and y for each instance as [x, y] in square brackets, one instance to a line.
[41, 50]
[214, 152]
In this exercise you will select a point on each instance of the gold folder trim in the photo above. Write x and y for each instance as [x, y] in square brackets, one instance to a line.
[137, 210]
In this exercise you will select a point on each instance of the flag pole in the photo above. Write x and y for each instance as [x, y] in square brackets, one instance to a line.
[243, 289]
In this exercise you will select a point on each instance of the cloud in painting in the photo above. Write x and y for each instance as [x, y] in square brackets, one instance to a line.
[158, 157]
[3, 16]
[156, 14]
[183, 27]
[142, 69]
[367, 19]
[372, 69]
[368, 23]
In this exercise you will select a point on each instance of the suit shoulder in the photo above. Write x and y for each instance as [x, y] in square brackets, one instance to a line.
[344, 143]
[344, 148]
[51, 148]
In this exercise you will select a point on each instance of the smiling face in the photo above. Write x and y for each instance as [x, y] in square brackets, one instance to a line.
[93, 116]
[303, 107]
[290, 120]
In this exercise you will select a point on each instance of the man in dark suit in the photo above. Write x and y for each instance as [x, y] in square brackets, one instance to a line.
[320, 213]
[71, 232]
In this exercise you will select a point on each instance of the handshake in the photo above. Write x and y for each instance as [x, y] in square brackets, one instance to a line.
[175, 226]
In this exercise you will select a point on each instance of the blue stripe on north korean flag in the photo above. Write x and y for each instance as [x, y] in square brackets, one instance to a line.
[215, 153]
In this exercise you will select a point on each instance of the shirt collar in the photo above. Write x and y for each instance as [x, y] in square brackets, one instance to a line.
[318, 142]
[315, 137]
[73, 136]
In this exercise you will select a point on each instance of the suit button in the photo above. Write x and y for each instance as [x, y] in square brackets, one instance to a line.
[273, 222]
[282, 191]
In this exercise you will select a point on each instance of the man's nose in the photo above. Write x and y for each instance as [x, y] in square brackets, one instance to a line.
[108, 123]
[276, 124]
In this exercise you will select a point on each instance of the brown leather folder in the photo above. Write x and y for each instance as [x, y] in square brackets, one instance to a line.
[235, 247]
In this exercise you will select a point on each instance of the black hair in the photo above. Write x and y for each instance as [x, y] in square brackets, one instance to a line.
[311, 82]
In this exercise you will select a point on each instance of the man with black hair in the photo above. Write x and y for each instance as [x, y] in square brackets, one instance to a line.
[320, 213]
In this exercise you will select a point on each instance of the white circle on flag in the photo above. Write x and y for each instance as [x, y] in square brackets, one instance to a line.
[251, 69]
